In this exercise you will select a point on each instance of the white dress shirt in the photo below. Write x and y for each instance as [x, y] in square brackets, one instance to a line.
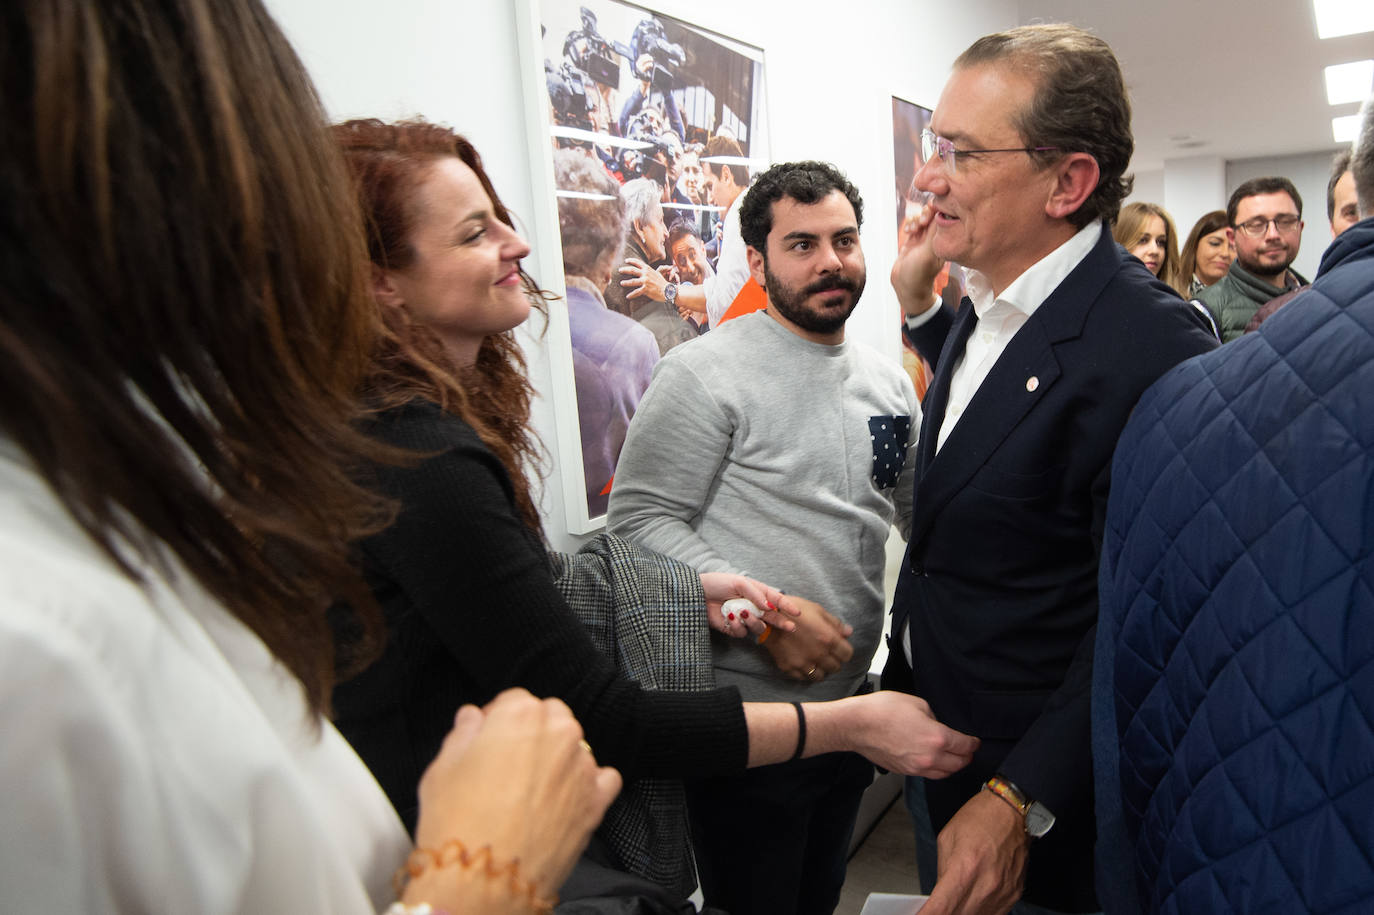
[156, 756]
[999, 318]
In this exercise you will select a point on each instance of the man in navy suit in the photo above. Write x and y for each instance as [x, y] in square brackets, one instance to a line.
[1035, 377]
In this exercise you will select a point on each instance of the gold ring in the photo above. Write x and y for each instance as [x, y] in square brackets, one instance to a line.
[810, 673]
[586, 746]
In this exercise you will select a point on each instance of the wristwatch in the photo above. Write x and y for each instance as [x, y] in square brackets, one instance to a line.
[1036, 815]
[670, 295]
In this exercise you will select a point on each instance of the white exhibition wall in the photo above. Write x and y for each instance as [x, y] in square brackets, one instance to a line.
[830, 71]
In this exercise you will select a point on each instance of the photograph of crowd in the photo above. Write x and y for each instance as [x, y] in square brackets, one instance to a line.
[654, 126]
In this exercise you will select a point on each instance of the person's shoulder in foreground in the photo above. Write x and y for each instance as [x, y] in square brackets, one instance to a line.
[1234, 549]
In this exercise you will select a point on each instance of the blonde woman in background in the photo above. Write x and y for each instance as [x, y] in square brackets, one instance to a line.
[1146, 230]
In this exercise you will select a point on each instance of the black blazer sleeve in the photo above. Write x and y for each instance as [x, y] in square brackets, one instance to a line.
[929, 338]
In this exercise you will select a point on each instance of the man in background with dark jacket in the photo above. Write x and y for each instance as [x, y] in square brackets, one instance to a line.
[1233, 694]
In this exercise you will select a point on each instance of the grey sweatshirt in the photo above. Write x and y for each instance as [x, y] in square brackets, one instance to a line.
[756, 451]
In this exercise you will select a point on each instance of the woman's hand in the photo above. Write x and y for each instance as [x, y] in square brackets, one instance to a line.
[515, 778]
[817, 646]
[899, 733]
[723, 586]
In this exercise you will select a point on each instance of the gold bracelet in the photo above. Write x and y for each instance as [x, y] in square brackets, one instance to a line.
[455, 852]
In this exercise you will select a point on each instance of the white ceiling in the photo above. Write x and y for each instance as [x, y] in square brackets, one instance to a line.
[1229, 78]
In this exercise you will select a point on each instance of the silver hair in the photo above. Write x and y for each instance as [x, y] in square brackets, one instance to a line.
[641, 196]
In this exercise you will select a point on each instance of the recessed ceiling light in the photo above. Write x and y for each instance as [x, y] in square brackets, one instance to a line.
[1343, 130]
[1350, 82]
[1343, 17]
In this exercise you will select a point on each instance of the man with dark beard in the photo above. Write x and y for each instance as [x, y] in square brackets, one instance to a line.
[774, 444]
[1265, 224]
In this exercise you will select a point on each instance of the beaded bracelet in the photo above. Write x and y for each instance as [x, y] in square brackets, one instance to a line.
[455, 852]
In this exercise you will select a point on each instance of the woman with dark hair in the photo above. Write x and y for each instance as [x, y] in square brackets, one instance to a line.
[1146, 230]
[184, 320]
[1207, 254]
[464, 577]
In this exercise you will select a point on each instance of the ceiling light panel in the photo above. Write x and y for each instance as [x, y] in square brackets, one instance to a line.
[1343, 17]
[1352, 82]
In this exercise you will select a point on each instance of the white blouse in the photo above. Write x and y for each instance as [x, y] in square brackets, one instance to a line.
[154, 757]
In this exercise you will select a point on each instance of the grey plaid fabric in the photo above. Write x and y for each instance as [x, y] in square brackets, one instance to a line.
[648, 613]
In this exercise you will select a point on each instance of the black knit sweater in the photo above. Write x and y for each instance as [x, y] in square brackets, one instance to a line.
[471, 610]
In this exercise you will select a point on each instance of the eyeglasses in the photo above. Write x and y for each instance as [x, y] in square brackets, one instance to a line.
[932, 146]
[1259, 225]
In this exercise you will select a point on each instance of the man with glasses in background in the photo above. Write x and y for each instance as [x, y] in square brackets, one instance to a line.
[1035, 377]
[1265, 217]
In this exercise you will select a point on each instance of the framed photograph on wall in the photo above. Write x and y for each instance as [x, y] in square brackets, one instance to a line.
[624, 102]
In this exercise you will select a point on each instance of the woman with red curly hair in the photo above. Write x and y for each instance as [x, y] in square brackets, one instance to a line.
[475, 602]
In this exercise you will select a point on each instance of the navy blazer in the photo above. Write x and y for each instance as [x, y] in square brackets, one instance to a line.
[999, 583]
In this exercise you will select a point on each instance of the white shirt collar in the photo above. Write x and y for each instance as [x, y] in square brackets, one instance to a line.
[1029, 290]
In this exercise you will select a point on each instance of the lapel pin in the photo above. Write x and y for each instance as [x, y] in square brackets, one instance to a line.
[1032, 383]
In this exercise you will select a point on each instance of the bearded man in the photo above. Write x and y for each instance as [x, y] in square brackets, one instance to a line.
[773, 444]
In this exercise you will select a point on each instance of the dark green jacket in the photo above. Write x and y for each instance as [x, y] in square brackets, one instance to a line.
[1234, 299]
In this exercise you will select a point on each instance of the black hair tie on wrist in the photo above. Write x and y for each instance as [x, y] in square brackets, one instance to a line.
[801, 732]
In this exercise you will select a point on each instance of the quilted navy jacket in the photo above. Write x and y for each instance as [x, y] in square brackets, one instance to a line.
[1233, 706]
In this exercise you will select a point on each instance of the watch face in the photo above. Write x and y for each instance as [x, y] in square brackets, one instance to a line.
[1038, 820]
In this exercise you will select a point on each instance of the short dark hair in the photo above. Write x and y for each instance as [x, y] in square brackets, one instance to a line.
[679, 230]
[724, 146]
[805, 182]
[1339, 166]
[1272, 184]
[1080, 104]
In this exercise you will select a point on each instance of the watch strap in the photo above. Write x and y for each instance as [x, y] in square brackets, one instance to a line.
[1008, 792]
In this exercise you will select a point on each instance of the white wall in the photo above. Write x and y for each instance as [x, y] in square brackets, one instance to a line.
[1193, 187]
[830, 72]
[1309, 173]
[1148, 188]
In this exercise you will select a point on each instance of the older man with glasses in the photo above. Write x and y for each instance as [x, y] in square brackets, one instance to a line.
[1265, 217]
[1034, 379]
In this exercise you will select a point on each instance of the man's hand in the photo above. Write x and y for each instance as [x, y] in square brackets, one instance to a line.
[818, 646]
[642, 280]
[914, 271]
[644, 69]
[983, 852]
